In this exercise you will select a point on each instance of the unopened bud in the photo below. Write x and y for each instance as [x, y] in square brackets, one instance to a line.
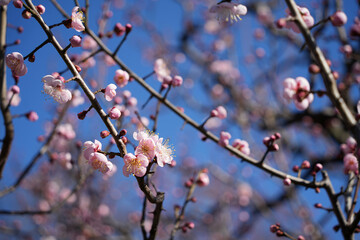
[31, 58]
[26, 14]
[104, 134]
[128, 28]
[40, 8]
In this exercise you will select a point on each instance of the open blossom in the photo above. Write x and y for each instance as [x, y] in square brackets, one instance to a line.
[90, 148]
[89, 43]
[242, 146]
[55, 87]
[305, 13]
[77, 20]
[152, 146]
[99, 161]
[163, 152]
[146, 147]
[228, 11]
[110, 92]
[351, 163]
[15, 62]
[121, 78]
[298, 90]
[135, 164]
[161, 70]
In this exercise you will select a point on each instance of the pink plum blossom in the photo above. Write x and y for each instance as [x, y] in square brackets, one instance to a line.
[298, 90]
[219, 112]
[305, 13]
[90, 62]
[163, 152]
[161, 70]
[351, 163]
[110, 92]
[77, 20]
[64, 158]
[121, 78]
[90, 148]
[177, 81]
[89, 43]
[135, 165]
[99, 161]
[15, 62]
[242, 146]
[355, 28]
[146, 147]
[114, 113]
[55, 87]
[224, 138]
[77, 99]
[350, 146]
[132, 102]
[226, 11]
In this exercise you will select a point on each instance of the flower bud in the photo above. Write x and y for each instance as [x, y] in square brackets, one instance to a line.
[318, 167]
[114, 113]
[177, 81]
[281, 23]
[119, 29]
[20, 29]
[41, 9]
[18, 3]
[128, 28]
[305, 164]
[318, 205]
[15, 89]
[123, 132]
[32, 116]
[31, 58]
[338, 19]
[82, 115]
[314, 69]
[26, 14]
[287, 181]
[295, 168]
[124, 139]
[75, 41]
[104, 134]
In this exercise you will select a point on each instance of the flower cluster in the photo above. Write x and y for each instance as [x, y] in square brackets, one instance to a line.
[55, 87]
[97, 160]
[350, 160]
[150, 148]
[228, 11]
[298, 90]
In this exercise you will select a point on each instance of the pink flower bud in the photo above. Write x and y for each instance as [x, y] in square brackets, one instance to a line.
[104, 134]
[277, 136]
[123, 132]
[32, 116]
[300, 237]
[214, 113]
[177, 81]
[40, 8]
[222, 113]
[318, 205]
[114, 113]
[314, 69]
[287, 181]
[20, 29]
[190, 225]
[188, 183]
[128, 28]
[295, 168]
[318, 167]
[124, 139]
[274, 228]
[82, 115]
[75, 41]
[119, 29]
[203, 179]
[110, 92]
[173, 163]
[26, 14]
[305, 164]
[338, 19]
[18, 3]
[281, 23]
[15, 89]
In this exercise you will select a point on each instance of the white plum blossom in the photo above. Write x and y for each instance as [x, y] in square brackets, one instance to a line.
[228, 11]
[55, 87]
